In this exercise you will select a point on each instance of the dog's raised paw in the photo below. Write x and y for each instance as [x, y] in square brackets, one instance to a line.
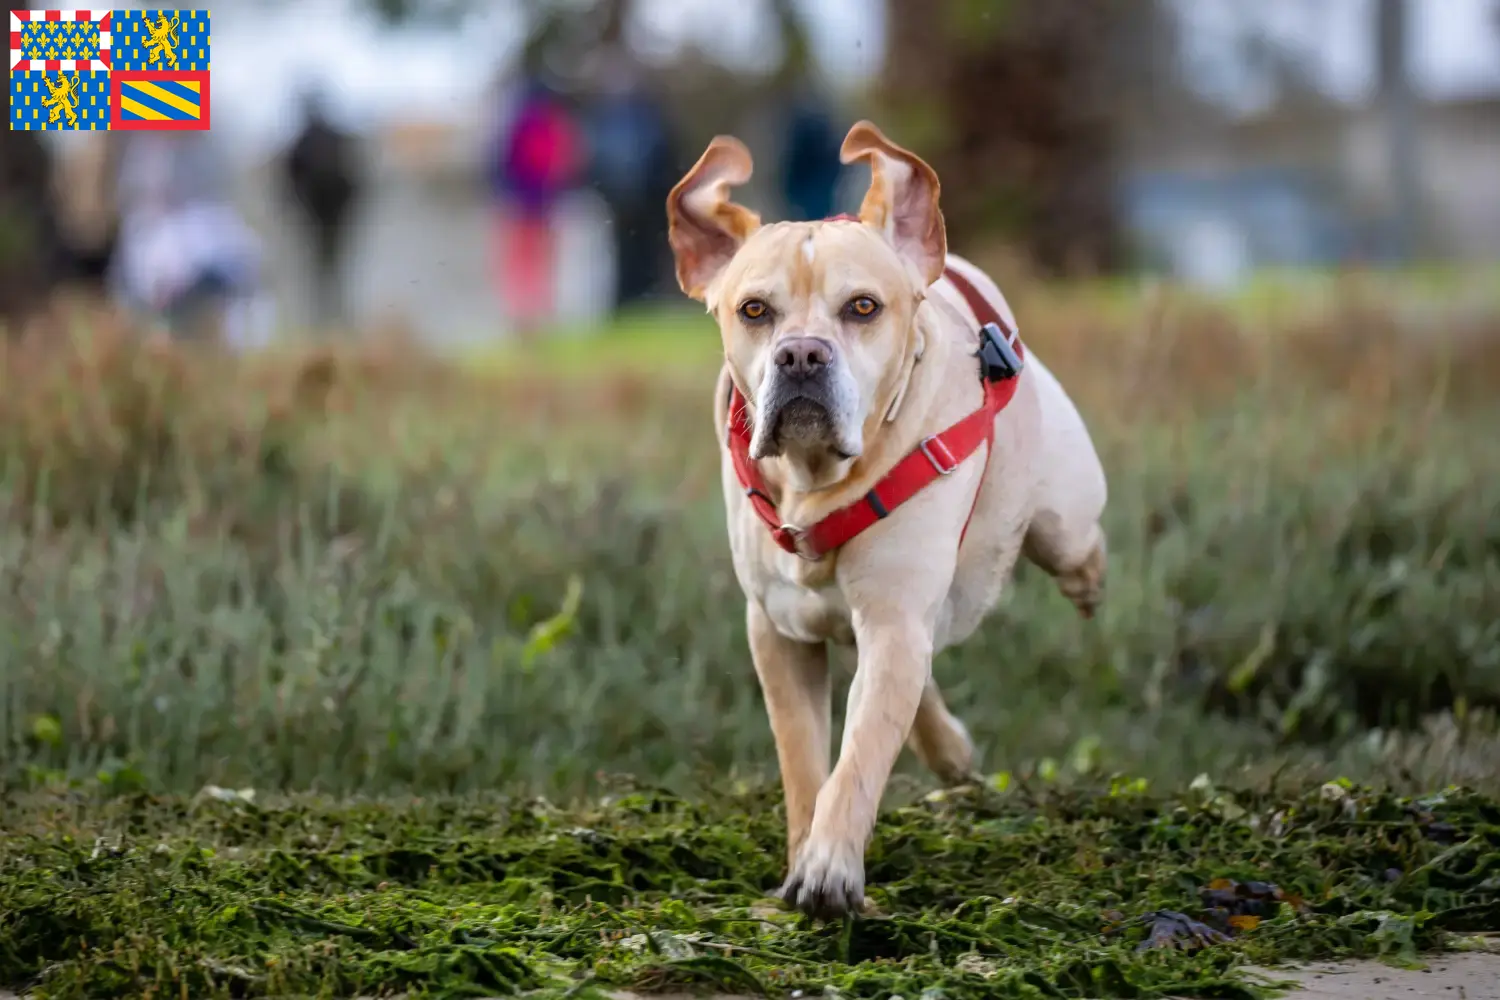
[826, 883]
[1084, 586]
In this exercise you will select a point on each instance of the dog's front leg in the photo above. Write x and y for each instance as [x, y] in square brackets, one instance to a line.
[794, 681]
[895, 660]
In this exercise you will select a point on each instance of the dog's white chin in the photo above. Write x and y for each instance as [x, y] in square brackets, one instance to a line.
[843, 444]
[841, 440]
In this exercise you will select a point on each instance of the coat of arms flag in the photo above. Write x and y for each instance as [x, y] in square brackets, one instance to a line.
[81, 70]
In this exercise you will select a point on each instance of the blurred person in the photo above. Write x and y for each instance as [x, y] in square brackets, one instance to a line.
[185, 257]
[29, 242]
[322, 176]
[88, 217]
[633, 169]
[534, 162]
[810, 167]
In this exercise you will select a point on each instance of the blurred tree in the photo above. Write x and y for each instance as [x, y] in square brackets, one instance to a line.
[1012, 102]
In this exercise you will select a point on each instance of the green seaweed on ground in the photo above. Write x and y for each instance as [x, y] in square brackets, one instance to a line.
[976, 894]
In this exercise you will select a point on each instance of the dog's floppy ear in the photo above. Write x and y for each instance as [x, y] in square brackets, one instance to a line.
[704, 227]
[902, 201]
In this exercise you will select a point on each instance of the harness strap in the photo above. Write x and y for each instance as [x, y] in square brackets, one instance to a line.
[986, 313]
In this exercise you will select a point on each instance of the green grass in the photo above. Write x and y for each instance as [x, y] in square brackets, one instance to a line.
[681, 338]
[978, 894]
[334, 578]
[364, 636]
[369, 575]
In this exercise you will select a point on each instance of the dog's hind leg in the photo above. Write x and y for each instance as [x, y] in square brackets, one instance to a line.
[940, 741]
[1074, 555]
[1064, 537]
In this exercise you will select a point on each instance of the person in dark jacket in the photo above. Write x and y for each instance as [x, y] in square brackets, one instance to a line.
[633, 169]
[29, 241]
[810, 167]
[322, 173]
[87, 216]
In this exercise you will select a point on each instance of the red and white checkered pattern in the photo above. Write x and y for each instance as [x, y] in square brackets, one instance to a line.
[19, 17]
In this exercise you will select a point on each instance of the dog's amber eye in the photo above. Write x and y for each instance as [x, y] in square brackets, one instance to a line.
[862, 307]
[754, 311]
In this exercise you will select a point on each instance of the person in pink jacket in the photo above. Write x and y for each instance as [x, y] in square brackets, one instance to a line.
[536, 162]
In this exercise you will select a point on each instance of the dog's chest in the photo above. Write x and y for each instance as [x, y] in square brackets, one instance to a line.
[807, 613]
[803, 600]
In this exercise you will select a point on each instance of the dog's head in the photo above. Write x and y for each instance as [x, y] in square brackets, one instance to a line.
[818, 318]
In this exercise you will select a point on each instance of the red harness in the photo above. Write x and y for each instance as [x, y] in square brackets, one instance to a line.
[1000, 361]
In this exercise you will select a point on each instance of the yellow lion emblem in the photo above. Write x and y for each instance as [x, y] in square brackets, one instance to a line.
[63, 100]
[163, 40]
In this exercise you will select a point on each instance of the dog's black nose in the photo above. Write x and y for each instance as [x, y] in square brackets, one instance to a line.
[803, 357]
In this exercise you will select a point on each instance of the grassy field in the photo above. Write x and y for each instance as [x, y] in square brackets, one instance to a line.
[979, 895]
[366, 572]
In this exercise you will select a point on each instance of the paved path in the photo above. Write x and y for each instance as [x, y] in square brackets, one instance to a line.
[1468, 976]
[1472, 976]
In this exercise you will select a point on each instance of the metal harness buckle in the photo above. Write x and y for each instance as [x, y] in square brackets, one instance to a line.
[798, 535]
[927, 447]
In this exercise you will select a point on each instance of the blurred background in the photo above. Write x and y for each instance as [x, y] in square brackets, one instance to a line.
[470, 170]
[460, 526]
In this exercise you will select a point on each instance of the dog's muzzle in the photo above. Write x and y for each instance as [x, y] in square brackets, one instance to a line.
[799, 399]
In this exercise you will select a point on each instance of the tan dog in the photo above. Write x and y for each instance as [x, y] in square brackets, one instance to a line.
[850, 346]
